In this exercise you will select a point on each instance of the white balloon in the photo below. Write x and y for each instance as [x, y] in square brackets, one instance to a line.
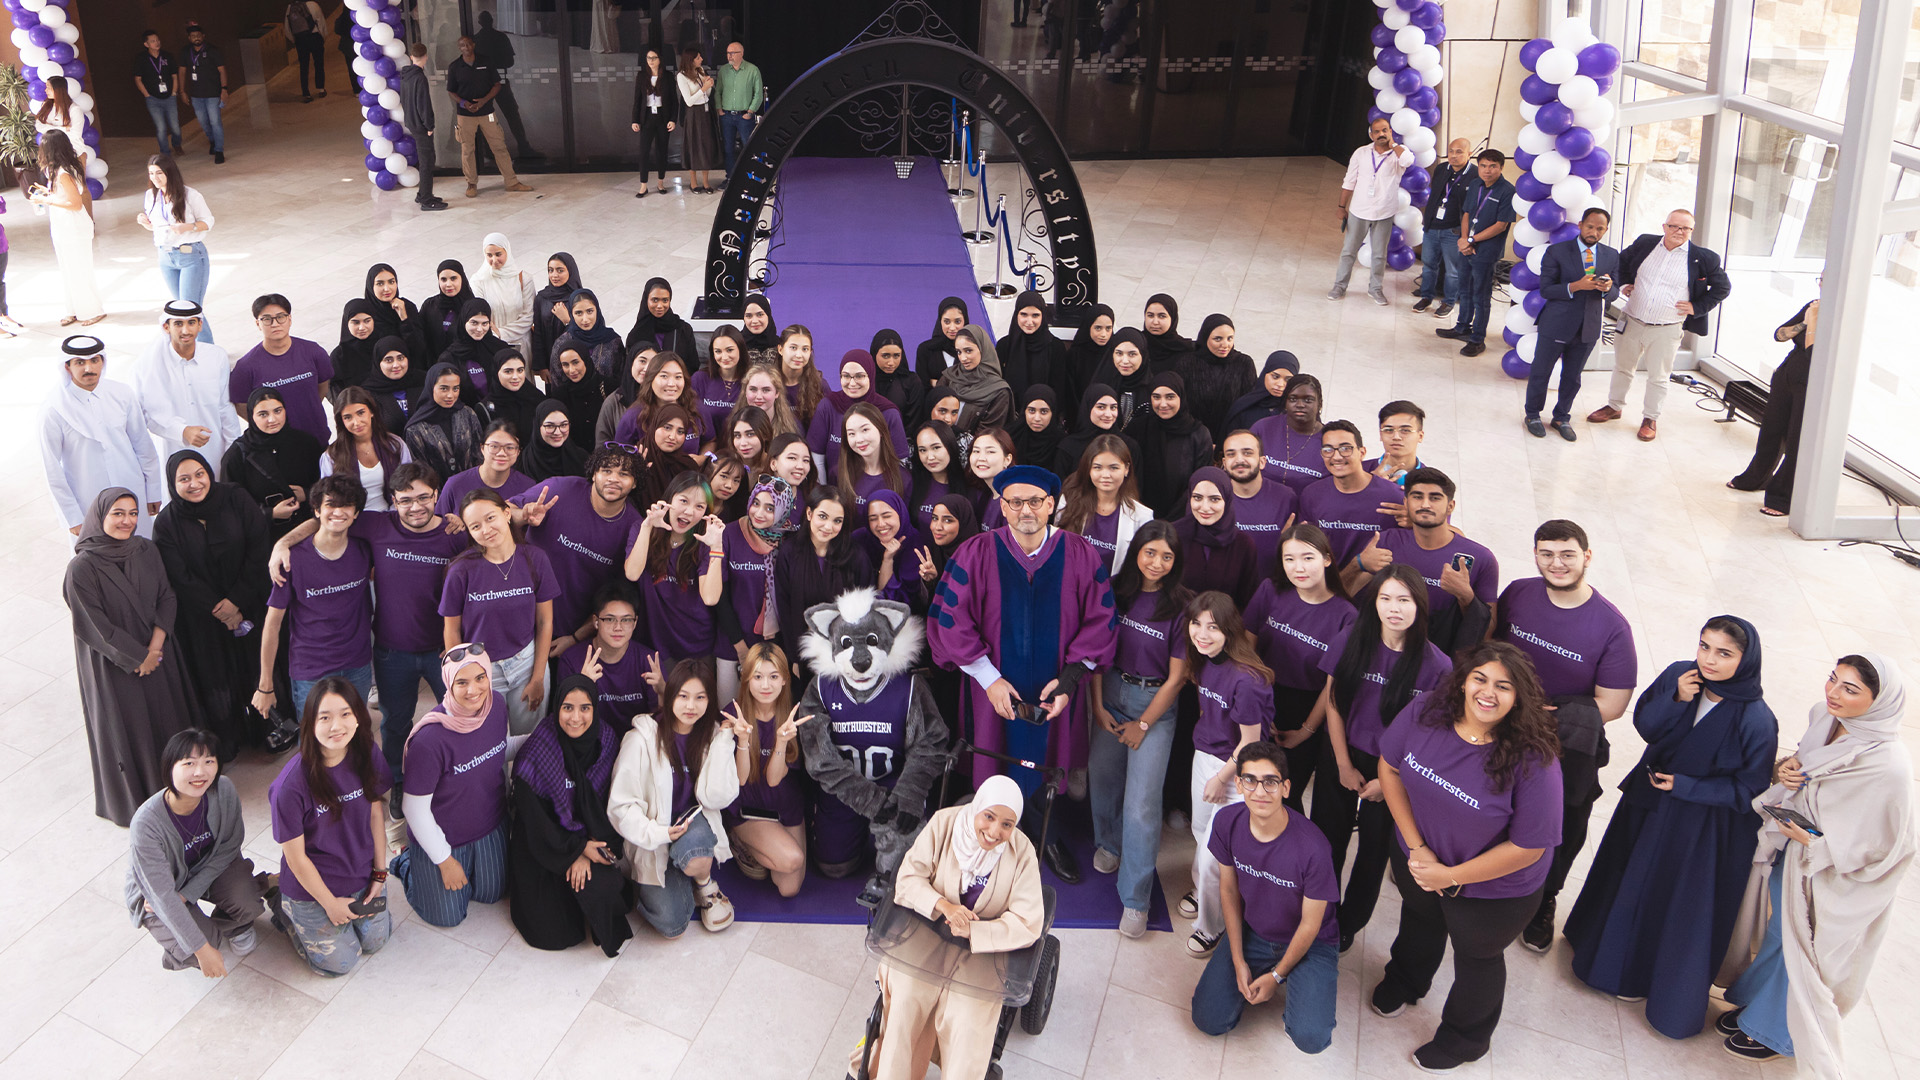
[1405, 120]
[1414, 234]
[1425, 158]
[1519, 321]
[1409, 38]
[1407, 218]
[1520, 208]
[396, 163]
[410, 177]
[1525, 233]
[21, 40]
[1390, 100]
[1578, 91]
[366, 17]
[96, 169]
[373, 84]
[1421, 138]
[356, 5]
[67, 32]
[82, 101]
[369, 130]
[1526, 345]
[1573, 34]
[1573, 194]
[380, 147]
[1535, 141]
[1594, 115]
[373, 177]
[1551, 168]
[48, 69]
[33, 5]
[1557, 65]
[1383, 3]
[1379, 79]
[1365, 255]
[1422, 56]
[1534, 258]
[33, 56]
[1402, 197]
[362, 66]
[380, 33]
[1602, 133]
[1394, 18]
[1432, 75]
[53, 16]
[1529, 110]
[395, 50]
[389, 98]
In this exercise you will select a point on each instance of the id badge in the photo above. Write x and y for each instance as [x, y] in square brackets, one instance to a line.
[160, 87]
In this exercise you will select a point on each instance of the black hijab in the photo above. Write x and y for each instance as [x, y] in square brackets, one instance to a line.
[1083, 356]
[272, 465]
[355, 357]
[1257, 404]
[648, 330]
[1214, 383]
[551, 294]
[388, 391]
[1074, 446]
[546, 329]
[930, 358]
[1220, 533]
[1163, 349]
[205, 545]
[1167, 448]
[385, 319]
[541, 461]
[960, 507]
[900, 386]
[440, 308]
[767, 340]
[582, 399]
[1130, 389]
[1037, 447]
[515, 406]
[1027, 360]
[464, 354]
[455, 433]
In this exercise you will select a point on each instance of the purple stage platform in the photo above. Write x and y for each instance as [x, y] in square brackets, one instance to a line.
[862, 250]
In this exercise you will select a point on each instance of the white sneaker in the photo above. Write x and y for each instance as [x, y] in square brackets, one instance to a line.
[716, 911]
[243, 940]
[1200, 945]
[1189, 906]
[1105, 862]
[1133, 923]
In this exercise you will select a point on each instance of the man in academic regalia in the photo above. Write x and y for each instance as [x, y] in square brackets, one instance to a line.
[1025, 610]
[93, 436]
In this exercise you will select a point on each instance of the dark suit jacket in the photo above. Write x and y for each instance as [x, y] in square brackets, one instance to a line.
[1707, 283]
[1574, 316]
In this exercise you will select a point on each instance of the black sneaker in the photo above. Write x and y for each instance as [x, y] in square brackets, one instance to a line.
[1538, 935]
[1432, 1059]
[1740, 1045]
[219, 157]
[1728, 1023]
[1453, 332]
[1443, 311]
[1386, 1000]
[1473, 348]
[1424, 303]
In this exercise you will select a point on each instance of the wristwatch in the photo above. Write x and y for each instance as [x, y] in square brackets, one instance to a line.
[1278, 979]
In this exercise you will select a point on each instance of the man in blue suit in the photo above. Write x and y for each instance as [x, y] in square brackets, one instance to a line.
[1576, 277]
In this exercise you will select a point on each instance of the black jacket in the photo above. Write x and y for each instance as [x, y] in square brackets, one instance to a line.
[1707, 282]
[416, 99]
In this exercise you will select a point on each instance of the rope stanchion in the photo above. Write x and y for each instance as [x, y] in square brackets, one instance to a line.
[999, 289]
[950, 168]
[980, 235]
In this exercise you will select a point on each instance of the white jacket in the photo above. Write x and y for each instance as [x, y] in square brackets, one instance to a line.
[640, 803]
[1131, 517]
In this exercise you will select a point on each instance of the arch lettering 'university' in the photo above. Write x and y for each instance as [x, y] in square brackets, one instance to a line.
[916, 62]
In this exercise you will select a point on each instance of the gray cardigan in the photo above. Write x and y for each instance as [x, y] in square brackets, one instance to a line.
[157, 871]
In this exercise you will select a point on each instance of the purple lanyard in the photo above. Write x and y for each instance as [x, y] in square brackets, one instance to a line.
[159, 66]
[1379, 160]
[1484, 193]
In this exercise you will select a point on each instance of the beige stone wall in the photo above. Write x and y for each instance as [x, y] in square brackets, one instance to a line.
[1480, 99]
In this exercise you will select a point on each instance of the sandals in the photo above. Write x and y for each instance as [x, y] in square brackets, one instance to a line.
[1771, 512]
[95, 319]
[69, 320]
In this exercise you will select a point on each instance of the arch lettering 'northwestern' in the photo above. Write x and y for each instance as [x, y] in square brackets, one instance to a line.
[916, 62]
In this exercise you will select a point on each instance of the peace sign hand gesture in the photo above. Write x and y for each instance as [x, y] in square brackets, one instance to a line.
[536, 510]
[736, 723]
[653, 676]
[590, 667]
[791, 728]
[927, 570]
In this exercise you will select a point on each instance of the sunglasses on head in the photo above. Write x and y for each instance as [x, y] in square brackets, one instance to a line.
[458, 653]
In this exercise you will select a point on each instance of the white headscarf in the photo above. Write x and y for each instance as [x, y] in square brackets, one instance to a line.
[1820, 758]
[976, 862]
[509, 270]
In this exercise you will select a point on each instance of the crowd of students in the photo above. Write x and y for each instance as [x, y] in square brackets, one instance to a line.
[596, 551]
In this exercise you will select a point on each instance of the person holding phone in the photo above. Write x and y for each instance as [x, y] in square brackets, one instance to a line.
[1462, 576]
[1577, 282]
[330, 823]
[561, 854]
[1653, 922]
[1819, 904]
[1472, 777]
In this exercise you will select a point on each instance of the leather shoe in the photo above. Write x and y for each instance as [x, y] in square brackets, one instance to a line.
[1566, 430]
[1453, 332]
[1535, 428]
[1425, 303]
[1062, 863]
[1473, 348]
[1603, 414]
[1648, 429]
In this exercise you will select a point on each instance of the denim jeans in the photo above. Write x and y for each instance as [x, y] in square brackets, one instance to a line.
[668, 906]
[207, 110]
[484, 860]
[1761, 991]
[1476, 290]
[1125, 789]
[1311, 990]
[185, 273]
[735, 130]
[398, 675]
[165, 113]
[332, 950]
[361, 677]
[1440, 265]
[510, 676]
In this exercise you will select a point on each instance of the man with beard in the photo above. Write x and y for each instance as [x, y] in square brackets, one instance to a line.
[183, 384]
[1263, 507]
[1463, 577]
[578, 521]
[93, 436]
[1582, 648]
[1025, 610]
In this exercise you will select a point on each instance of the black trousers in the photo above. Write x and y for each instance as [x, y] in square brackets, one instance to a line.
[311, 49]
[1777, 450]
[1335, 812]
[1480, 931]
[653, 149]
[1582, 776]
[423, 145]
[1176, 792]
[1290, 709]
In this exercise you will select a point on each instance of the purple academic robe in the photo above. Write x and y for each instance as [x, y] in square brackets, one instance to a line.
[966, 622]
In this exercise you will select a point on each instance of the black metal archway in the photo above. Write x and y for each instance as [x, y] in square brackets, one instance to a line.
[909, 61]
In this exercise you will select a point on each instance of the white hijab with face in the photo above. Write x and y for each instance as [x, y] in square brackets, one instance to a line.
[977, 862]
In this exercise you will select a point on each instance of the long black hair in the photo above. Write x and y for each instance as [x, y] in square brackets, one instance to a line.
[1128, 583]
[1314, 537]
[313, 766]
[1364, 640]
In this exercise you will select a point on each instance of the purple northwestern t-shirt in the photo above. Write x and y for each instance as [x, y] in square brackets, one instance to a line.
[1363, 720]
[923, 513]
[785, 798]
[1348, 519]
[678, 622]
[195, 837]
[410, 567]
[1230, 696]
[864, 488]
[1461, 816]
[1103, 532]
[329, 609]
[716, 398]
[297, 375]
[465, 773]
[460, 483]
[1574, 650]
[682, 778]
[1291, 458]
[746, 573]
[497, 604]
[1263, 516]
[1145, 644]
[1484, 575]
[339, 842]
[584, 549]
[1294, 635]
[624, 693]
[1275, 879]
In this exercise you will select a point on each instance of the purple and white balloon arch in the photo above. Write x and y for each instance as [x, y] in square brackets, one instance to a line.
[392, 159]
[48, 40]
[1561, 163]
[1405, 76]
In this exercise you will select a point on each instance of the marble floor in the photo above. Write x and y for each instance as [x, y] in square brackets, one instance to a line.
[83, 994]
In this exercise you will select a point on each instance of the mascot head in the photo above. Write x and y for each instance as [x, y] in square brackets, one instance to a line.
[861, 641]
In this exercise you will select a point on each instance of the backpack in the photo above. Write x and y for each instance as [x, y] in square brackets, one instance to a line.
[299, 19]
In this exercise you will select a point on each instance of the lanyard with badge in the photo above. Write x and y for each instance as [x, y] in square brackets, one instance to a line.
[159, 73]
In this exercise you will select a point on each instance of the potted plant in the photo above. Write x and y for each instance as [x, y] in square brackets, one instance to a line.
[19, 139]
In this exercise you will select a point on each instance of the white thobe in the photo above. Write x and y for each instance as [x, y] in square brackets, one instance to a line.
[94, 440]
[177, 392]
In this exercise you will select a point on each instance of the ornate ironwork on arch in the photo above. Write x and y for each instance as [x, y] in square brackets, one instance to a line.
[894, 61]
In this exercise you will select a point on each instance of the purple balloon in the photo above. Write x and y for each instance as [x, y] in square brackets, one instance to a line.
[1604, 82]
[375, 163]
[95, 188]
[1574, 143]
[1553, 118]
[1515, 367]
[1520, 251]
[1407, 81]
[1416, 179]
[1531, 188]
[1421, 198]
[43, 36]
[1599, 59]
[1523, 160]
[1375, 112]
[370, 51]
[405, 145]
[378, 115]
[1399, 258]
[1530, 52]
[1535, 90]
[1381, 35]
[1408, 6]
[1546, 216]
[386, 181]
[1509, 337]
[1426, 97]
[1522, 277]
[74, 69]
[367, 100]
[1391, 60]
[1565, 233]
[1436, 34]
[1595, 166]
[391, 16]
[59, 52]
[1533, 303]
[393, 131]
[384, 67]
[1430, 118]
[91, 136]
[359, 33]
[1426, 16]
[1396, 238]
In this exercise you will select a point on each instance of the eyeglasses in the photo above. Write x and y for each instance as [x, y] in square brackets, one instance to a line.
[1679, 228]
[412, 500]
[1268, 784]
[272, 320]
[617, 620]
[1024, 504]
[499, 448]
[552, 425]
[1343, 450]
[475, 649]
[627, 448]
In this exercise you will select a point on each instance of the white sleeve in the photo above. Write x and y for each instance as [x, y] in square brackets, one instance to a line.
[51, 456]
[197, 210]
[432, 838]
[983, 672]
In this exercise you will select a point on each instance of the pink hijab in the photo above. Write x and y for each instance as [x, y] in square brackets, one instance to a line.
[449, 711]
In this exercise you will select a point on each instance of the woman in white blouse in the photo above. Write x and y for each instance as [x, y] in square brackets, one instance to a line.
[509, 290]
[179, 220]
[58, 113]
[701, 148]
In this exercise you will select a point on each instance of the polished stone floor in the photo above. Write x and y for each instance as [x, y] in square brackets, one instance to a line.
[84, 995]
